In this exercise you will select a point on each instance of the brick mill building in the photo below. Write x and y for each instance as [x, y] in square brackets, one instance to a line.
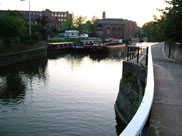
[115, 28]
[47, 17]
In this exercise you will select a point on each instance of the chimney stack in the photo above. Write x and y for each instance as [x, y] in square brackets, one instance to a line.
[103, 15]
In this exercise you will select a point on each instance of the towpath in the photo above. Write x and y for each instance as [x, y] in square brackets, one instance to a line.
[166, 114]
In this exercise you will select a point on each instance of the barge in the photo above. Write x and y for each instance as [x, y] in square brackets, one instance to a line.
[62, 46]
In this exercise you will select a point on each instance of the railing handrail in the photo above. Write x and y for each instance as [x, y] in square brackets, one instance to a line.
[136, 125]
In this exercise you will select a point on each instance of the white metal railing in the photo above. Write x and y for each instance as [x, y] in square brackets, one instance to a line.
[136, 125]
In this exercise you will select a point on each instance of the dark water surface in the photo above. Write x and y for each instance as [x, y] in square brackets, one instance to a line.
[62, 95]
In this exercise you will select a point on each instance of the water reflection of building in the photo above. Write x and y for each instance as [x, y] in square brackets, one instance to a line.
[56, 55]
[15, 79]
[117, 55]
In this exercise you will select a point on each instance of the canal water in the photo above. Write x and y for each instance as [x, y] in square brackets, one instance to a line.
[70, 94]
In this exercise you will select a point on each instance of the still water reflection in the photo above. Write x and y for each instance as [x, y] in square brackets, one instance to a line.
[64, 95]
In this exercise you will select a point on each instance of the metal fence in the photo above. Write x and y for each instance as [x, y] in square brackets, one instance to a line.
[135, 52]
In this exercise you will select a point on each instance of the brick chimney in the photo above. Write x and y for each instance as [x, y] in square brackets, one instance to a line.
[103, 15]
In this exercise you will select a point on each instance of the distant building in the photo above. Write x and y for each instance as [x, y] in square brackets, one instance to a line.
[47, 18]
[116, 28]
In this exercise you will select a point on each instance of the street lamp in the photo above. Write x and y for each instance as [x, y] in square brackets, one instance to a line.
[30, 32]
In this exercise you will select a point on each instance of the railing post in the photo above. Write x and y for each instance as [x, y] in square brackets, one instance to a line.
[130, 53]
[138, 54]
[146, 60]
[169, 50]
[127, 53]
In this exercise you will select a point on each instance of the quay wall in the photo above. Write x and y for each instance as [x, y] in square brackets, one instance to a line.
[20, 56]
[131, 91]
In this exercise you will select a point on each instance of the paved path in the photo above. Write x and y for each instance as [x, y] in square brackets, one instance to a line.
[166, 114]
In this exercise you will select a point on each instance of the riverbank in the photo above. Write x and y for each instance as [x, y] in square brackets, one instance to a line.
[16, 56]
[131, 91]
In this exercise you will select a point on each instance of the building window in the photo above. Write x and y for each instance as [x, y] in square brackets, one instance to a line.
[108, 31]
[65, 15]
[114, 31]
[99, 28]
[100, 32]
[119, 31]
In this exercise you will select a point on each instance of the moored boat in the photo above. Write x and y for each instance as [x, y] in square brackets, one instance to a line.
[105, 48]
[59, 46]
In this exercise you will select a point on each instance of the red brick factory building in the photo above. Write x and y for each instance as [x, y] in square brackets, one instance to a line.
[115, 28]
[47, 17]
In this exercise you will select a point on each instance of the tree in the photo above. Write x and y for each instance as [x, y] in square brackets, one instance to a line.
[152, 31]
[88, 27]
[68, 24]
[79, 23]
[12, 27]
[173, 17]
[93, 19]
[169, 25]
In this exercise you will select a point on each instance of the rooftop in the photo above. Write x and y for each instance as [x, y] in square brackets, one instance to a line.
[110, 21]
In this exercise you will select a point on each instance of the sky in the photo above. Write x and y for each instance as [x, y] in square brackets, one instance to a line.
[140, 11]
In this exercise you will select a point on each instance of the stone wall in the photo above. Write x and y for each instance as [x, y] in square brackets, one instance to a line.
[176, 51]
[131, 91]
[19, 56]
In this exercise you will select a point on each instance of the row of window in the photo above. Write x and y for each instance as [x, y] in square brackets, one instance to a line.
[40, 14]
[59, 15]
[114, 31]
[33, 13]
[108, 30]
[61, 19]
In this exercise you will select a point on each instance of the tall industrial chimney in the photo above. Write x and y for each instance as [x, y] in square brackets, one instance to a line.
[103, 15]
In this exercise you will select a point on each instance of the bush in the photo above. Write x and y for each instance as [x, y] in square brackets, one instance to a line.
[11, 28]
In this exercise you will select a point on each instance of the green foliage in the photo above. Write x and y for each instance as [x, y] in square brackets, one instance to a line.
[93, 19]
[172, 19]
[80, 23]
[152, 31]
[88, 27]
[68, 24]
[12, 27]
[169, 26]
[130, 81]
[14, 31]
